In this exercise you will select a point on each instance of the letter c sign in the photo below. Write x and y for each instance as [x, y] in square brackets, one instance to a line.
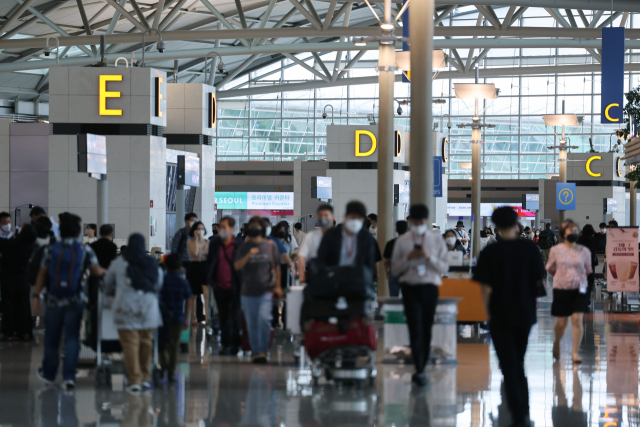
[608, 116]
[591, 159]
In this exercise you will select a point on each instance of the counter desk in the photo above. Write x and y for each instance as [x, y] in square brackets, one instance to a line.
[458, 284]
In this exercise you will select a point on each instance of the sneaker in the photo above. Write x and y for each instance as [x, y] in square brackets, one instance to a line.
[134, 389]
[40, 374]
[146, 385]
[68, 385]
[419, 379]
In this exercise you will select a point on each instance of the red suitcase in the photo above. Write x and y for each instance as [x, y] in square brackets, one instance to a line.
[320, 336]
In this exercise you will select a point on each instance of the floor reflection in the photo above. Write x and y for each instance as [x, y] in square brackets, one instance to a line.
[224, 391]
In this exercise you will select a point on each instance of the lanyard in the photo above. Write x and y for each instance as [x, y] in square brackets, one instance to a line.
[349, 251]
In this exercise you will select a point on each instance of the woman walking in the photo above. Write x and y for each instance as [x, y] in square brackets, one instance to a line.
[587, 239]
[569, 264]
[136, 280]
[198, 248]
[258, 258]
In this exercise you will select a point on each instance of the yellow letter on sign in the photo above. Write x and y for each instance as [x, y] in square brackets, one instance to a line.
[373, 143]
[591, 159]
[104, 94]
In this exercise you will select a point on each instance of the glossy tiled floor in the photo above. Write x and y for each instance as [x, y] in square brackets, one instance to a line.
[225, 391]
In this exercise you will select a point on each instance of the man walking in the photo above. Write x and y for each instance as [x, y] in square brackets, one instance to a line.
[420, 258]
[309, 249]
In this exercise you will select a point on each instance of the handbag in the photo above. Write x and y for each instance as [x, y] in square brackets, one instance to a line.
[540, 290]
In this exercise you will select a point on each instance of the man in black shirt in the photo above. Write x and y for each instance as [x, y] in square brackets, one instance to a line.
[511, 272]
[394, 281]
[105, 249]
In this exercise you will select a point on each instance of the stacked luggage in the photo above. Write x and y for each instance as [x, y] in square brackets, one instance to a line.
[337, 323]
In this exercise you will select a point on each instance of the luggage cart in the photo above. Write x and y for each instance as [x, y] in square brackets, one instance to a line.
[348, 365]
[107, 332]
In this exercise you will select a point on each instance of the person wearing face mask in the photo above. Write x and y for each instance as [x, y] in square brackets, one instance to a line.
[601, 239]
[197, 273]
[179, 241]
[453, 244]
[215, 229]
[281, 232]
[461, 235]
[299, 235]
[349, 243]
[5, 226]
[536, 236]
[374, 224]
[511, 273]
[569, 264]
[90, 234]
[420, 257]
[528, 233]
[225, 283]
[587, 239]
[309, 249]
[257, 259]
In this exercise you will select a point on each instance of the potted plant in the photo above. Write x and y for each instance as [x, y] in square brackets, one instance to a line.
[631, 109]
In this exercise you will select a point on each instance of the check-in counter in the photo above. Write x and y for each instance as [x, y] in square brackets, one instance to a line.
[458, 284]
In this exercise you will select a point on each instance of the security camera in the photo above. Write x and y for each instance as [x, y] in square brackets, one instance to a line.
[221, 68]
[399, 110]
[449, 125]
[161, 47]
[47, 51]
[324, 115]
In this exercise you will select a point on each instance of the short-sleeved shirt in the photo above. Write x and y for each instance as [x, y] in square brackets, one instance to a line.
[89, 259]
[106, 251]
[175, 291]
[511, 268]
[570, 267]
[309, 248]
[256, 278]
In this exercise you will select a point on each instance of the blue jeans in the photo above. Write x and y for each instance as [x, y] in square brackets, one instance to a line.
[57, 319]
[257, 314]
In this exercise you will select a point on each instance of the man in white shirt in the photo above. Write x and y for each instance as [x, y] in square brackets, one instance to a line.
[420, 257]
[5, 226]
[309, 248]
[373, 218]
[461, 234]
[299, 235]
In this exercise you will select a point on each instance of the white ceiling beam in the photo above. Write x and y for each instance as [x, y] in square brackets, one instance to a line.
[489, 17]
[596, 18]
[584, 19]
[328, 16]
[306, 14]
[159, 10]
[127, 15]
[15, 15]
[143, 19]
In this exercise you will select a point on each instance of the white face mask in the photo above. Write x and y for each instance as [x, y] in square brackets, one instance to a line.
[450, 241]
[268, 231]
[200, 232]
[372, 230]
[603, 230]
[354, 225]
[419, 229]
[224, 235]
[6, 228]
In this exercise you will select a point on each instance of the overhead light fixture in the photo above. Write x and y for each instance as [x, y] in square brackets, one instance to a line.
[387, 26]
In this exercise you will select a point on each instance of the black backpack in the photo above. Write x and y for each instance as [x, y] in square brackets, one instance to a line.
[545, 240]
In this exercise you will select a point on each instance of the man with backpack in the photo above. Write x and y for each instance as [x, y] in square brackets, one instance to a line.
[546, 241]
[63, 265]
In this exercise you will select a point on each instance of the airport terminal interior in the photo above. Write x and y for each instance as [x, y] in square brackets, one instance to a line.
[319, 213]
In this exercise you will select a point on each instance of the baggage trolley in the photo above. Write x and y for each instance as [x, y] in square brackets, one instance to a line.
[107, 334]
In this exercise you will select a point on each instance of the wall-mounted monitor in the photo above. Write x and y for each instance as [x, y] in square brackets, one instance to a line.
[321, 187]
[531, 202]
[189, 170]
[92, 154]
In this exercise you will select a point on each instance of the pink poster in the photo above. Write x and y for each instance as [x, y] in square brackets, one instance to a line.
[622, 259]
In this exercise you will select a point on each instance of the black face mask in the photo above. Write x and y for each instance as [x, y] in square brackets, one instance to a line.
[282, 234]
[254, 232]
[572, 238]
[215, 232]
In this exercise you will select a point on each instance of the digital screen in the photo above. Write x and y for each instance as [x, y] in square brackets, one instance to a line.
[191, 171]
[612, 205]
[532, 202]
[321, 187]
[92, 154]
[254, 201]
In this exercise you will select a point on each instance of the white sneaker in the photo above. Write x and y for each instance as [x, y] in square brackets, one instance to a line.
[40, 374]
[134, 389]
[69, 385]
[146, 385]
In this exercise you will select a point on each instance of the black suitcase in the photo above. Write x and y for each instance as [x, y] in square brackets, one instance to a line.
[323, 310]
[351, 282]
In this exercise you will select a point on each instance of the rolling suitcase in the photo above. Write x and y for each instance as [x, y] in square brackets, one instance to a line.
[322, 336]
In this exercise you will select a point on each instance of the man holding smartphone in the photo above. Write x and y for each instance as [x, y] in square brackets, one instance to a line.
[420, 258]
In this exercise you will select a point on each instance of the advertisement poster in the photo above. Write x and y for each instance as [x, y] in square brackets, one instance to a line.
[622, 259]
